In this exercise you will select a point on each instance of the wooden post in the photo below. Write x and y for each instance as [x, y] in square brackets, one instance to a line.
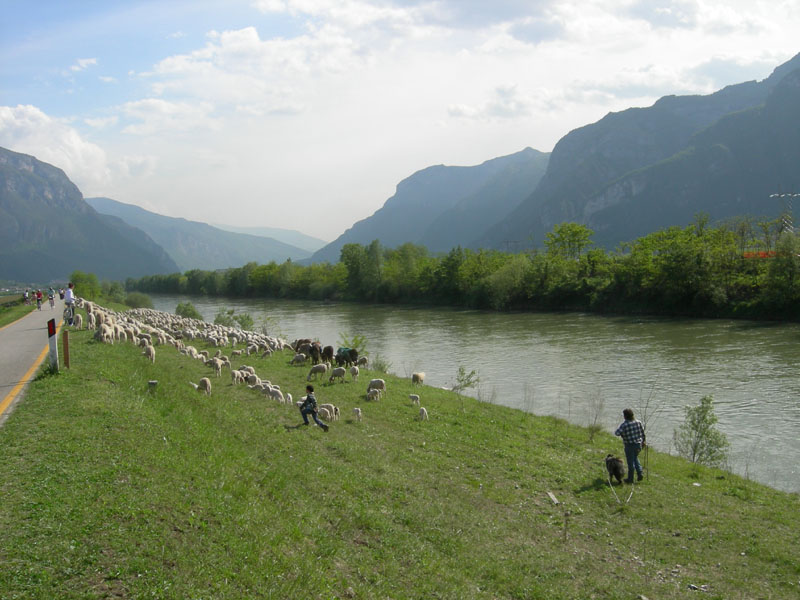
[65, 343]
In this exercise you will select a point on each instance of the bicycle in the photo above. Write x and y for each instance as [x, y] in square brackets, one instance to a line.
[69, 313]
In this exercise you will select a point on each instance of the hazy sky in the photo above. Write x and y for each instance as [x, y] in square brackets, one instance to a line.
[305, 114]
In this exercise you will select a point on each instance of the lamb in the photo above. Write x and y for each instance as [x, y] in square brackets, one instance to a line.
[354, 372]
[317, 370]
[423, 414]
[298, 359]
[237, 376]
[104, 334]
[77, 320]
[204, 385]
[237, 352]
[357, 413]
[337, 373]
[417, 378]
[324, 413]
[90, 321]
[414, 398]
[363, 361]
[374, 395]
[253, 379]
[150, 352]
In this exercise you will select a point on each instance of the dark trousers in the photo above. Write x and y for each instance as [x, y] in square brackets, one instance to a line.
[310, 411]
[632, 456]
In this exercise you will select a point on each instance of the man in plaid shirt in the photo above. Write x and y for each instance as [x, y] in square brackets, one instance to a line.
[632, 433]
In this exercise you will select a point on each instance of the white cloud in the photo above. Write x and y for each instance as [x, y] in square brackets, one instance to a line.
[27, 129]
[156, 116]
[106, 79]
[102, 122]
[83, 63]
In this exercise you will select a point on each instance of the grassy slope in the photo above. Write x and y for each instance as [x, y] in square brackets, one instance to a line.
[12, 308]
[109, 490]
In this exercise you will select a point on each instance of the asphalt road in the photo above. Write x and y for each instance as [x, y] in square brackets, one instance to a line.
[23, 347]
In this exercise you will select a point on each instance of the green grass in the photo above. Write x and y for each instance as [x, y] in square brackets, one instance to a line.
[12, 308]
[109, 490]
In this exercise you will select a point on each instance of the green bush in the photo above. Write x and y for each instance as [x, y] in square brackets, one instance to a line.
[697, 439]
[138, 300]
[187, 310]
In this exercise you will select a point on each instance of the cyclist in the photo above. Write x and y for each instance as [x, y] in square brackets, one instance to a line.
[39, 299]
[51, 295]
[69, 301]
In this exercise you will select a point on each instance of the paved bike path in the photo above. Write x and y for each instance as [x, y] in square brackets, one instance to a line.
[23, 347]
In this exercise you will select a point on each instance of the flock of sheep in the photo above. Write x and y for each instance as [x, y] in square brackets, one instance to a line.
[148, 328]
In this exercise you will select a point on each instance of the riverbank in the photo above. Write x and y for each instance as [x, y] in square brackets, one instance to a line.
[110, 489]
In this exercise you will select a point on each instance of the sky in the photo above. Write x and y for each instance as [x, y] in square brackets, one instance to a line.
[306, 114]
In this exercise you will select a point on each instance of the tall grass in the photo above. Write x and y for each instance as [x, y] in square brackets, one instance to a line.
[111, 490]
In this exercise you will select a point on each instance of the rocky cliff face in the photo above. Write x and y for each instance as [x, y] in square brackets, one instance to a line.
[49, 231]
[589, 160]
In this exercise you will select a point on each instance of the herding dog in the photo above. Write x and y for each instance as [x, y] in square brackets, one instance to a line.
[616, 468]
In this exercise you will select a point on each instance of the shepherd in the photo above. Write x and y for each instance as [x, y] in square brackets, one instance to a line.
[633, 437]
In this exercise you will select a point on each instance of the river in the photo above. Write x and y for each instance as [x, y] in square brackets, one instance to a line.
[581, 367]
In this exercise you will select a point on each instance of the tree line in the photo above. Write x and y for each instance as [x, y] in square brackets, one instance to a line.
[742, 268]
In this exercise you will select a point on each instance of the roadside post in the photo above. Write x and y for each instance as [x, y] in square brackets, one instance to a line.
[51, 334]
[65, 345]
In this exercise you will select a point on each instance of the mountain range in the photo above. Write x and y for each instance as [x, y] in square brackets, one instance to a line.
[48, 230]
[441, 207]
[631, 173]
[195, 245]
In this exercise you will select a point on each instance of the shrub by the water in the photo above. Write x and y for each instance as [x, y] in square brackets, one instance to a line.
[138, 300]
[188, 310]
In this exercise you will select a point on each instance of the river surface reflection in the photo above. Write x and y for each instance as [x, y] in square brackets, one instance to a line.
[577, 366]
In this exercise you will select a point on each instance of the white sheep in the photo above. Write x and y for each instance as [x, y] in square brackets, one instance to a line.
[423, 414]
[317, 370]
[354, 372]
[298, 359]
[150, 353]
[414, 398]
[376, 384]
[324, 413]
[90, 321]
[77, 321]
[337, 373]
[276, 394]
[374, 395]
[204, 385]
[333, 410]
[363, 361]
[357, 413]
[417, 378]
[236, 352]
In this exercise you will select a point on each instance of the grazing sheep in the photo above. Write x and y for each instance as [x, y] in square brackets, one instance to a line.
[77, 320]
[354, 372]
[104, 334]
[337, 373]
[333, 410]
[298, 359]
[204, 385]
[324, 413]
[363, 361]
[423, 414]
[237, 352]
[316, 370]
[417, 378]
[276, 394]
[357, 413]
[414, 398]
[150, 352]
[376, 384]
[90, 321]
[374, 395]
[237, 376]
[253, 379]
